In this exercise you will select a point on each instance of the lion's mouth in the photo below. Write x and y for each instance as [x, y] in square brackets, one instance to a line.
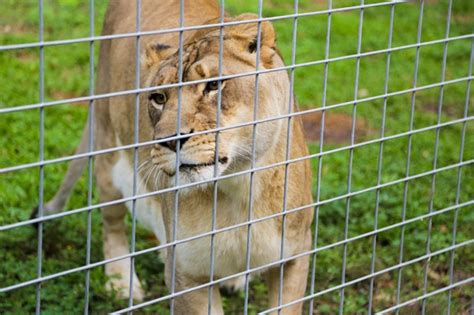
[187, 166]
[184, 166]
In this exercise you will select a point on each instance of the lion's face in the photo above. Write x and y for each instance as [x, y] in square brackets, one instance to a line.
[200, 102]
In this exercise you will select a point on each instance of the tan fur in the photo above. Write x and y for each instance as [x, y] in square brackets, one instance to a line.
[114, 125]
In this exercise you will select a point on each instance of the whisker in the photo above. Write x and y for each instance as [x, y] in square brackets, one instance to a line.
[144, 164]
[150, 174]
[155, 187]
[147, 175]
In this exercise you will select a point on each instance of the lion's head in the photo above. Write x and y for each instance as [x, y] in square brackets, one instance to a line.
[199, 102]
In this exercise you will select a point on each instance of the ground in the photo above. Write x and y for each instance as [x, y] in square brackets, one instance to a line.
[67, 75]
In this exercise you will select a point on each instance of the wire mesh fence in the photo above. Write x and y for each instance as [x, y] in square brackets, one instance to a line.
[193, 124]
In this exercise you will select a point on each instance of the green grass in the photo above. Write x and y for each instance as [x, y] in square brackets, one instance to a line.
[67, 75]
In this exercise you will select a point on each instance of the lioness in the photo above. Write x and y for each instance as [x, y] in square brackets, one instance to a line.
[158, 119]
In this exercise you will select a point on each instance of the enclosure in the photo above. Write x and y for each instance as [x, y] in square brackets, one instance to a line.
[384, 93]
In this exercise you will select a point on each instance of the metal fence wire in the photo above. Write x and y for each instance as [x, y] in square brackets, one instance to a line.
[402, 283]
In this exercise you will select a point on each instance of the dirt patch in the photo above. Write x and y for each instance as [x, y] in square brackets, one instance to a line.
[15, 29]
[337, 127]
[447, 109]
[25, 55]
[463, 18]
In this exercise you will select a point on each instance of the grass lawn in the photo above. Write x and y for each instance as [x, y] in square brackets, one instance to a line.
[67, 75]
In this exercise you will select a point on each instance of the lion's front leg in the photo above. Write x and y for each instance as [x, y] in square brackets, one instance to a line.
[115, 236]
[116, 244]
[196, 301]
[294, 285]
[295, 274]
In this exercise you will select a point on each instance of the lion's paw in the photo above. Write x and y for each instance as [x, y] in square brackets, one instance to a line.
[121, 286]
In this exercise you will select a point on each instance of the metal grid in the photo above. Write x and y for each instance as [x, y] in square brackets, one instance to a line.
[311, 294]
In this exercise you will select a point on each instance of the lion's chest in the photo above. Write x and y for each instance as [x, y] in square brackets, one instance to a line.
[230, 251]
[229, 245]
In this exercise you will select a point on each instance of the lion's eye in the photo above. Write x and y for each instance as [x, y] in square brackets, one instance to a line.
[159, 98]
[212, 86]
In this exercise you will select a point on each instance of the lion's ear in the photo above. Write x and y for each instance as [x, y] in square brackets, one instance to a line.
[155, 53]
[248, 33]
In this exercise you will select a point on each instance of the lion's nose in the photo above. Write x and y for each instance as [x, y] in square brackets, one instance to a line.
[172, 144]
